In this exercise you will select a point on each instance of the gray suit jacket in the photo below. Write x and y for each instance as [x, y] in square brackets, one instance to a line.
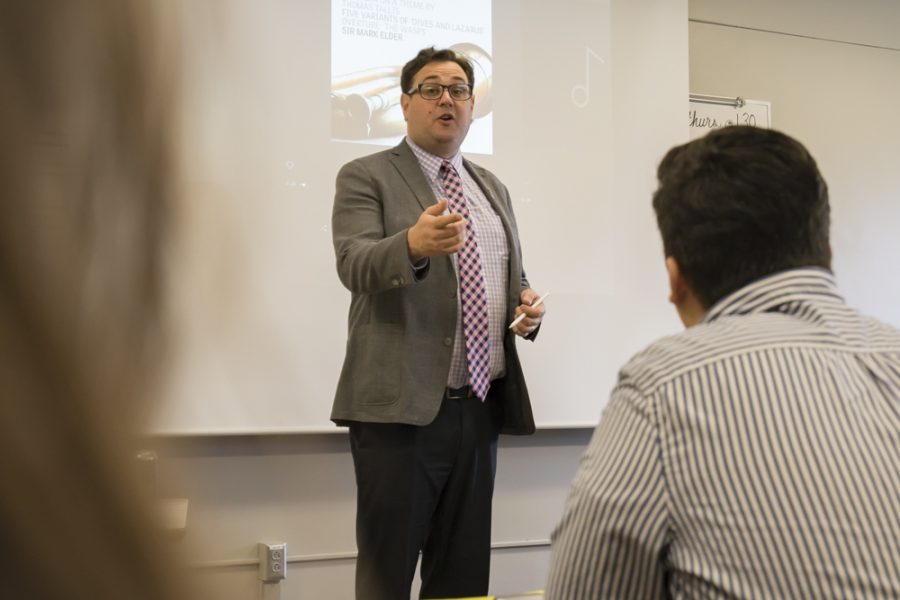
[401, 330]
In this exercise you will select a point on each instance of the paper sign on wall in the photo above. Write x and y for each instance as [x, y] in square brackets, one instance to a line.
[712, 112]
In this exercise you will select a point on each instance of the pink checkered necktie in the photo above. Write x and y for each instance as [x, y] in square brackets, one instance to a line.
[473, 295]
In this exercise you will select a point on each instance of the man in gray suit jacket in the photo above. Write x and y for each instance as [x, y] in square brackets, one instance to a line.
[423, 417]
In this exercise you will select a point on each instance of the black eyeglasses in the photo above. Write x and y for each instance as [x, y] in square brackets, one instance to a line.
[433, 91]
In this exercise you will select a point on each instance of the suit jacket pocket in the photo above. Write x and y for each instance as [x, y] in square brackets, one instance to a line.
[377, 354]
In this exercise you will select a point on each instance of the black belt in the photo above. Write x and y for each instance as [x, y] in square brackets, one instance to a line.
[460, 393]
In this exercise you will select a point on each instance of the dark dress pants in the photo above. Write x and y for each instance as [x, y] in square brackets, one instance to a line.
[429, 489]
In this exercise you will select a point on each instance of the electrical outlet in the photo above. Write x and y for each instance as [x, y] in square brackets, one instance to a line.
[272, 561]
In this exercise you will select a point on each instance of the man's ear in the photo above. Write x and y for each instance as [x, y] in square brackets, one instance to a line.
[677, 287]
[689, 307]
[404, 104]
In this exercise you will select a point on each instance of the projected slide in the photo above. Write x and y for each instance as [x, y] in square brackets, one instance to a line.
[370, 42]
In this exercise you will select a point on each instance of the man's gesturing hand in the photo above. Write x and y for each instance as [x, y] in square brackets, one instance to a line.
[436, 234]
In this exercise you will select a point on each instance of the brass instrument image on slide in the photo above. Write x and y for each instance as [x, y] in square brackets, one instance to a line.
[365, 105]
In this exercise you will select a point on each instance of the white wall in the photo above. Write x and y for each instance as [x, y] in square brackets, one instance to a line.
[832, 73]
[874, 22]
[299, 489]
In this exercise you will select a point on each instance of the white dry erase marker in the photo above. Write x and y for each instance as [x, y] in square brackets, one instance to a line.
[537, 302]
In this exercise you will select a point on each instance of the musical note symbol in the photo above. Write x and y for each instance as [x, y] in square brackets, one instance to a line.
[581, 94]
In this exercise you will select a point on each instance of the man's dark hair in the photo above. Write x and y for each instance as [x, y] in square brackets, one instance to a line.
[430, 55]
[739, 204]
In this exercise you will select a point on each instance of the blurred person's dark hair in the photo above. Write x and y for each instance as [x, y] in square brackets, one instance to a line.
[738, 204]
[430, 55]
[85, 200]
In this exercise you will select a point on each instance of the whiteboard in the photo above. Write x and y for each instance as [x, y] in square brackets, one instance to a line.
[706, 113]
[260, 316]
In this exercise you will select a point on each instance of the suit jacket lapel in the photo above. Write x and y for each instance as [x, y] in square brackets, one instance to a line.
[407, 164]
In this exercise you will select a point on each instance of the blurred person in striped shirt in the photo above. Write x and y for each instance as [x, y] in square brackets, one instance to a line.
[757, 453]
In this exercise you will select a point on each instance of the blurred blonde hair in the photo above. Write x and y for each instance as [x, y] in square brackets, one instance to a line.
[85, 204]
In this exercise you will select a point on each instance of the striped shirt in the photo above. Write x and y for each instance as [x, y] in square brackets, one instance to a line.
[755, 455]
[494, 254]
